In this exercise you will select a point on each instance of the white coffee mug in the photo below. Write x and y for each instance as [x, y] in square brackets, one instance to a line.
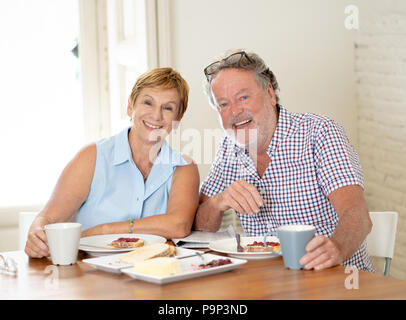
[63, 242]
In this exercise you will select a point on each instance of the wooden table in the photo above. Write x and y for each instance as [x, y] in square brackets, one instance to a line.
[264, 279]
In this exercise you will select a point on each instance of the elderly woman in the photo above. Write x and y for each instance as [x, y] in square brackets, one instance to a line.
[133, 181]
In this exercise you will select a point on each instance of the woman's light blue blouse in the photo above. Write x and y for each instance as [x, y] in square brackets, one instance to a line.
[118, 192]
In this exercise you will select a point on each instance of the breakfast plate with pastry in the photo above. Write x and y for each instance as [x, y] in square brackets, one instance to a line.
[163, 263]
[106, 244]
[114, 263]
[253, 247]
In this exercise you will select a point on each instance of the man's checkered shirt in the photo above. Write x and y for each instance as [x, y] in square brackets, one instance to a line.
[310, 157]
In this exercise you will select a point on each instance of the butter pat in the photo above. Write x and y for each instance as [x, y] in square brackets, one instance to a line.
[160, 267]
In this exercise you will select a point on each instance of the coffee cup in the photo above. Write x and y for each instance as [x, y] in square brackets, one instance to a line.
[63, 242]
[293, 240]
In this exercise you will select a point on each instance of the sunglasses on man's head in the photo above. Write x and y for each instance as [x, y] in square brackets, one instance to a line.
[238, 59]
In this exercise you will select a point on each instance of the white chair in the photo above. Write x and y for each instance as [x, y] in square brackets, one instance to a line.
[381, 240]
[25, 220]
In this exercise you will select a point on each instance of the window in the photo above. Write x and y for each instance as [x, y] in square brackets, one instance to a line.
[41, 113]
[138, 39]
[52, 102]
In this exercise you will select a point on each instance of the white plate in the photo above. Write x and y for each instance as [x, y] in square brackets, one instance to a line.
[104, 240]
[112, 263]
[229, 246]
[187, 271]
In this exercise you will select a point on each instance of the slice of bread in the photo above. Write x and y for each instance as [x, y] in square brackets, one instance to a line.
[160, 267]
[148, 252]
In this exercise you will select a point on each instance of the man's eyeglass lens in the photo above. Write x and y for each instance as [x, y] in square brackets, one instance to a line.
[238, 59]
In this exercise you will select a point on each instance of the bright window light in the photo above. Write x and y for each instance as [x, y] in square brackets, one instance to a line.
[41, 114]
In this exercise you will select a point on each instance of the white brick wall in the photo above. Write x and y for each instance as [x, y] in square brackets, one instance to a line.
[380, 67]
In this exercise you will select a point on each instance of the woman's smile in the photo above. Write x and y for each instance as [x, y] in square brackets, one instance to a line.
[151, 126]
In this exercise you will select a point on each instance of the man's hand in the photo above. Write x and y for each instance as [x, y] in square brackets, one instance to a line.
[321, 253]
[352, 228]
[240, 196]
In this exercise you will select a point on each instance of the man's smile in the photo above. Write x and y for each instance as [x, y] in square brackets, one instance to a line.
[241, 124]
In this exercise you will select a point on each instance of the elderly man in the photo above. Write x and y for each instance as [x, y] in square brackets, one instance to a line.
[276, 168]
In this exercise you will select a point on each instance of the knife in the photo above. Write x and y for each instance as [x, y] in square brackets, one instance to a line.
[239, 247]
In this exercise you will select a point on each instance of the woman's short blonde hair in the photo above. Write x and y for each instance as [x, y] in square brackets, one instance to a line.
[165, 78]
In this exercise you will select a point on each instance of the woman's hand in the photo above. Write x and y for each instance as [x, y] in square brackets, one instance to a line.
[36, 245]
